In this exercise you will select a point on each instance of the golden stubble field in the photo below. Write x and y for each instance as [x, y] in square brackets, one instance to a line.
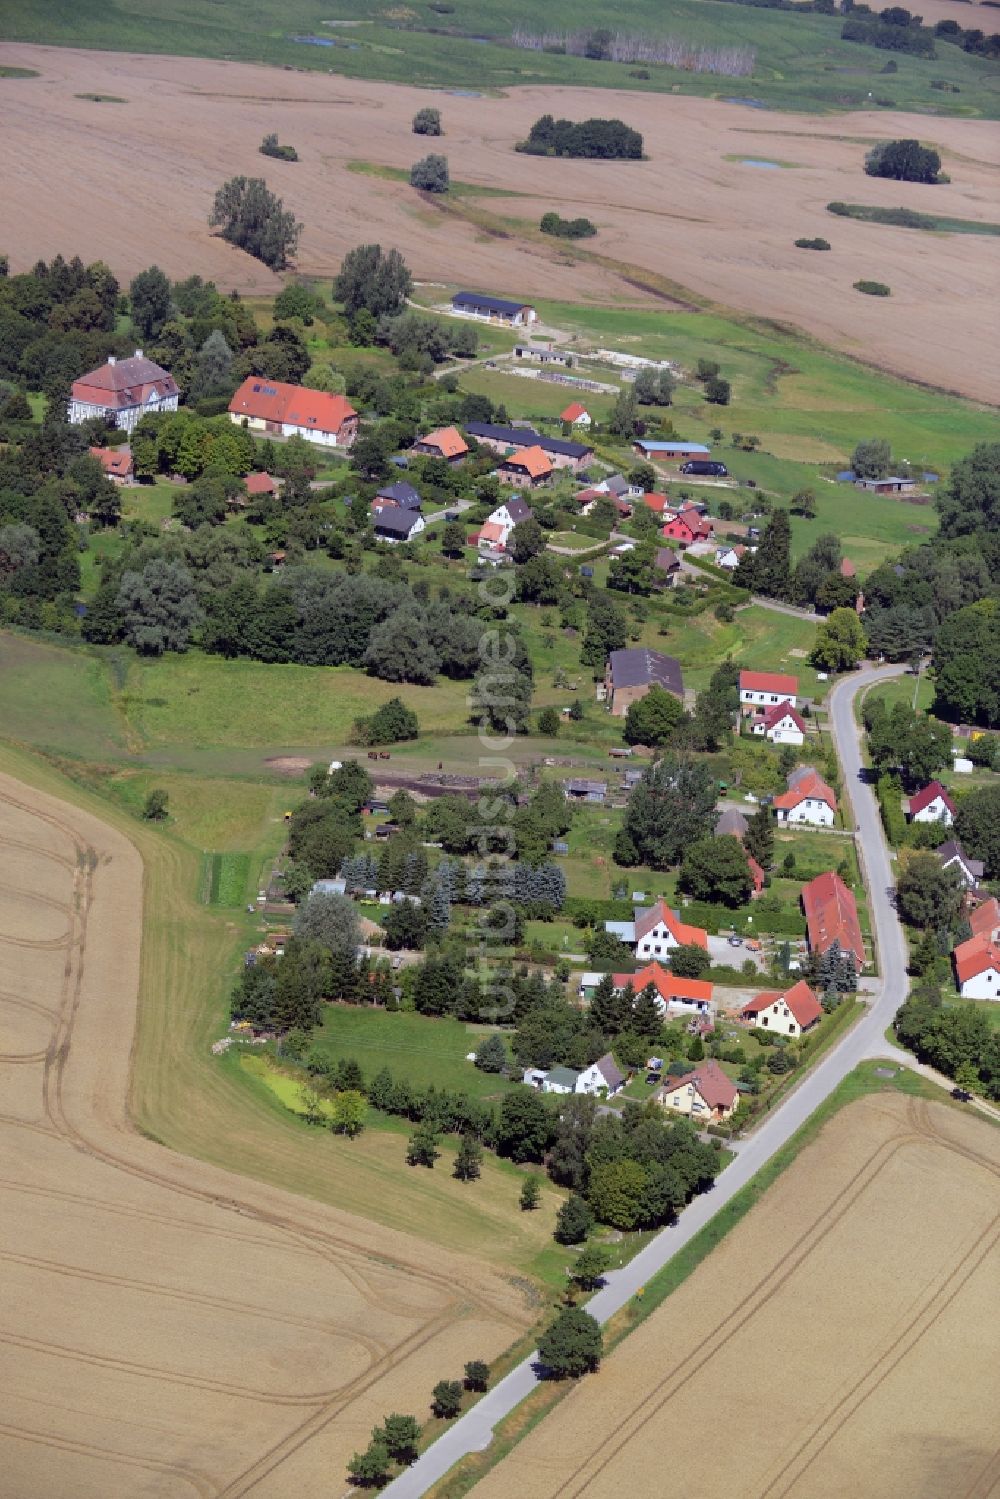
[133, 183]
[842, 1340]
[166, 1328]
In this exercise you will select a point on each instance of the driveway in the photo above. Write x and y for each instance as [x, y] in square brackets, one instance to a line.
[473, 1431]
[725, 956]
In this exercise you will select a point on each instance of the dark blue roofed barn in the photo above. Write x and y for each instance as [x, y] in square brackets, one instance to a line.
[499, 309]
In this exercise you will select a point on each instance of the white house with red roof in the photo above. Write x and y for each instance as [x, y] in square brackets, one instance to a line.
[808, 799]
[977, 961]
[932, 804]
[283, 410]
[781, 724]
[786, 1014]
[675, 996]
[123, 391]
[655, 930]
[765, 689]
[577, 414]
[705, 1093]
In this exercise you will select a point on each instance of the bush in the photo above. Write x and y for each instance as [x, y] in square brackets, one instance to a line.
[717, 391]
[427, 122]
[551, 223]
[813, 244]
[903, 161]
[873, 288]
[430, 174]
[269, 147]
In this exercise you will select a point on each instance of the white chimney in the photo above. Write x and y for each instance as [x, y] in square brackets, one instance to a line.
[111, 359]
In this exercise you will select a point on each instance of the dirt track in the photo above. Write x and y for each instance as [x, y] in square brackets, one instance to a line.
[842, 1340]
[133, 182]
[168, 1329]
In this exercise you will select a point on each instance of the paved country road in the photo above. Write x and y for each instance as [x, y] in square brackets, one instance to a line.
[472, 1432]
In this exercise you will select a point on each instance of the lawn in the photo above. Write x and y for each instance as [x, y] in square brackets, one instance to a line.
[425, 1050]
[800, 62]
[58, 698]
[226, 878]
[203, 700]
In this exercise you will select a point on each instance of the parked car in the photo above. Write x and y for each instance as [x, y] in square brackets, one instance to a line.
[961, 1095]
[735, 941]
[705, 466]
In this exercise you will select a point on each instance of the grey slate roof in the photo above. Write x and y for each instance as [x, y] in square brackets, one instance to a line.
[610, 1071]
[731, 823]
[518, 509]
[565, 1076]
[402, 494]
[396, 520]
[641, 667]
[487, 302]
[952, 850]
[667, 560]
[527, 437]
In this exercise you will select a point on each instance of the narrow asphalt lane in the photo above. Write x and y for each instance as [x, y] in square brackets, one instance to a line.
[473, 1431]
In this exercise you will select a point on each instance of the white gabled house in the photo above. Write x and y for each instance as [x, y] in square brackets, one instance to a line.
[765, 689]
[808, 799]
[932, 804]
[601, 1077]
[781, 724]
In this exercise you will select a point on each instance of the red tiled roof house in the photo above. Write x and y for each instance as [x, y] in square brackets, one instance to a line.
[765, 689]
[116, 463]
[977, 961]
[705, 1093]
[808, 799]
[932, 804]
[123, 391]
[576, 414]
[283, 410]
[688, 526]
[786, 1014]
[528, 468]
[781, 724]
[674, 995]
[832, 916]
[446, 442]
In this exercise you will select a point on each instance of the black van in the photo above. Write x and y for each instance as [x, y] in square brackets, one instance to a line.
[705, 466]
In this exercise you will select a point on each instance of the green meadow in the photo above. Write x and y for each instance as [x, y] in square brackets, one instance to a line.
[800, 63]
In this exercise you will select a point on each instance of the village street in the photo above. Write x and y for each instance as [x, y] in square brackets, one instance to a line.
[472, 1432]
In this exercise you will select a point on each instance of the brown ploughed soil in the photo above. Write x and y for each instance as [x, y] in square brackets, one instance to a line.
[133, 183]
[169, 1329]
[842, 1340]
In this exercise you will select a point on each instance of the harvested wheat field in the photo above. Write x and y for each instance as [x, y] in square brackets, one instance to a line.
[843, 1339]
[169, 1329]
[133, 182]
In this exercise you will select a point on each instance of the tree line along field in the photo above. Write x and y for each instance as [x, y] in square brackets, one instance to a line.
[801, 62]
[847, 1289]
